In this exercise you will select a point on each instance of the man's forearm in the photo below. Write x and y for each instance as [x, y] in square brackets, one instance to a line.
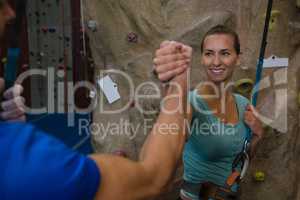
[123, 179]
[165, 143]
[129, 180]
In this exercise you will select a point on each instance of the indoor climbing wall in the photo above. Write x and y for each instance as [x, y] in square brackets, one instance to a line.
[50, 50]
[124, 35]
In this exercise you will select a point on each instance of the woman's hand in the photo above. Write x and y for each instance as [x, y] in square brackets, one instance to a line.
[253, 122]
[12, 105]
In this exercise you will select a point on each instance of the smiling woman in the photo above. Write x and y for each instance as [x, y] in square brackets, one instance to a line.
[208, 158]
[220, 53]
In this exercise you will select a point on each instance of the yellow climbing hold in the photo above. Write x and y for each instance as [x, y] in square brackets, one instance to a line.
[4, 60]
[244, 86]
[267, 128]
[273, 20]
[298, 3]
[259, 176]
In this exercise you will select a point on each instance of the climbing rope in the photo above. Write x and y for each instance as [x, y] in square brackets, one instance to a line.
[243, 158]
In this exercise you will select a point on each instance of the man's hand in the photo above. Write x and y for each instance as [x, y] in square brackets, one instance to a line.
[172, 59]
[12, 105]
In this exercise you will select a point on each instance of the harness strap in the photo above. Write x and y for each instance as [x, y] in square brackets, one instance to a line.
[232, 179]
[193, 188]
[208, 190]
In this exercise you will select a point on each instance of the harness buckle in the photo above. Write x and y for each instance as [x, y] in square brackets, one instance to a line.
[243, 159]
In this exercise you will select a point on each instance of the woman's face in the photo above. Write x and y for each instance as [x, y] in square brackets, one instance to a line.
[219, 57]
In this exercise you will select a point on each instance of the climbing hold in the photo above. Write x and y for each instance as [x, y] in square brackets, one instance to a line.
[273, 20]
[92, 25]
[259, 176]
[4, 60]
[61, 66]
[52, 30]
[121, 153]
[44, 29]
[67, 39]
[60, 73]
[298, 3]
[268, 129]
[132, 37]
[244, 86]
[25, 66]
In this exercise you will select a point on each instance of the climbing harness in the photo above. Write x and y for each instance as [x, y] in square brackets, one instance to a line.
[244, 86]
[208, 191]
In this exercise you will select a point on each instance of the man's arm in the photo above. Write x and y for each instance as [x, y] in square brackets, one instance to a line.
[125, 179]
[146, 178]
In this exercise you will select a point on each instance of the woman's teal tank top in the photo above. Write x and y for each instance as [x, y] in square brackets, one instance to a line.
[213, 145]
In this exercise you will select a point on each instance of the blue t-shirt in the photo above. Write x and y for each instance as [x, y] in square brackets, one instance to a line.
[34, 165]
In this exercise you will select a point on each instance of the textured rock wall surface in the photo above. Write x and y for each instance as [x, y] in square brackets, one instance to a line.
[153, 21]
